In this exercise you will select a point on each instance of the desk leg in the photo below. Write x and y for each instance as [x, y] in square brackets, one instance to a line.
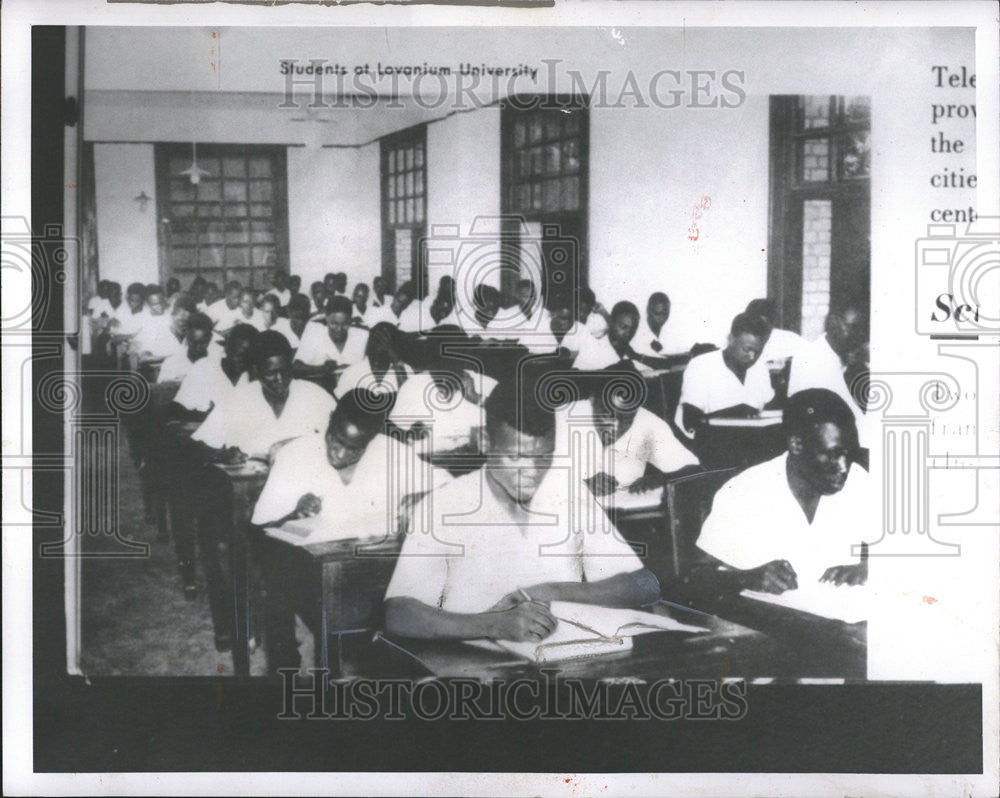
[239, 563]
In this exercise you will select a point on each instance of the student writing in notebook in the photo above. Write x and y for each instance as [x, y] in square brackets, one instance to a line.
[502, 542]
[797, 519]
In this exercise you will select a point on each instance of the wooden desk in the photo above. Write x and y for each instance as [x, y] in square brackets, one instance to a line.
[237, 487]
[338, 586]
[727, 649]
[739, 443]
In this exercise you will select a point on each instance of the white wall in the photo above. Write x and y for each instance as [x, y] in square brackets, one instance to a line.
[126, 235]
[463, 185]
[334, 213]
[648, 169]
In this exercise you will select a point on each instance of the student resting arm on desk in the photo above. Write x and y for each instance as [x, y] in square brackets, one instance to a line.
[493, 573]
[793, 520]
[210, 380]
[326, 350]
[723, 382]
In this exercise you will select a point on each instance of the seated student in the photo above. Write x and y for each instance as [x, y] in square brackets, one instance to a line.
[162, 333]
[248, 313]
[294, 326]
[417, 317]
[211, 381]
[649, 339]
[780, 343]
[210, 296]
[98, 305]
[638, 451]
[132, 315]
[325, 350]
[317, 298]
[832, 359]
[599, 353]
[359, 299]
[269, 310]
[591, 313]
[793, 520]
[171, 292]
[224, 311]
[489, 564]
[339, 285]
[294, 286]
[531, 305]
[475, 317]
[381, 370]
[272, 409]
[443, 305]
[379, 290]
[197, 338]
[392, 312]
[279, 287]
[722, 382]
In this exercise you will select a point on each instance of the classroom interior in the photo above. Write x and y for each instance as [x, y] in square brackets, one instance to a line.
[713, 206]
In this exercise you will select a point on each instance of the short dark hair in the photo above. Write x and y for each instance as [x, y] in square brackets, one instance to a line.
[658, 296]
[272, 299]
[515, 403]
[338, 304]
[270, 344]
[408, 288]
[186, 302]
[587, 295]
[299, 302]
[749, 324]
[762, 307]
[362, 408]
[233, 284]
[243, 332]
[136, 289]
[483, 293]
[152, 289]
[199, 321]
[807, 410]
[624, 307]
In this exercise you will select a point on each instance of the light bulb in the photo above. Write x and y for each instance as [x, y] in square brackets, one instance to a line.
[195, 178]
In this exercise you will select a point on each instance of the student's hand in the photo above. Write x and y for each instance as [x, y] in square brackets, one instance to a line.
[776, 576]
[602, 484]
[525, 622]
[309, 505]
[516, 597]
[856, 574]
[743, 411]
[232, 455]
[330, 367]
[646, 482]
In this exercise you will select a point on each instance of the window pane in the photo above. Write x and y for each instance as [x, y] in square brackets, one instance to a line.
[519, 134]
[400, 186]
[552, 159]
[409, 211]
[262, 237]
[401, 211]
[553, 128]
[260, 209]
[209, 210]
[537, 160]
[391, 183]
[418, 182]
[858, 109]
[260, 191]
[409, 157]
[392, 212]
[420, 155]
[211, 256]
[237, 256]
[550, 195]
[234, 167]
[183, 210]
[570, 193]
[212, 234]
[571, 156]
[181, 190]
[815, 160]
[536, 196]
[183, 238]
[409, 184]
[235, 209]
[856, 155]
[263, 256]
[209, 191]
[420, 211]
[815, 111]
[235, 191]
[571, 123]
[535, 130]
[178, 163]
[260, 167]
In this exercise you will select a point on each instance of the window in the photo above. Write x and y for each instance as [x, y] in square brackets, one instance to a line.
[404, 204]
[820, 207]
[544, 191]
[230, 225]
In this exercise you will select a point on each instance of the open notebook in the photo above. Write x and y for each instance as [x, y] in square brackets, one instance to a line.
[847, 603]
[621, 499]
[321, 529]
[586, 630]
[766, 418]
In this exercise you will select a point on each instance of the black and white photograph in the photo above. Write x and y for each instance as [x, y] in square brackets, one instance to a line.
[481, 402]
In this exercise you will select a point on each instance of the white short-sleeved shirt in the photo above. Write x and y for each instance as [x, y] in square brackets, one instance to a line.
[99, 305]
[205, 385]
[648, 440]
[175, 367]
[417, 317]
[644, 338]
[454, 423]
[247, 421]
[379, 313]
[755, 519]
[284, 326]
[595, 354]
[359, 375]
[316, 348]
[597, 325]
[284, 297]
[361, 506]
[223, 315]
[130, 323]
[467, 548]
[157, 337]
[710, 386]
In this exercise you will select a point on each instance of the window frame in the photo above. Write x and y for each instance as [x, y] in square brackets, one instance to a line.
[401, 139]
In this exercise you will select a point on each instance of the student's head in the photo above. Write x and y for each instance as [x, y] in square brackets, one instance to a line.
[233, 293]
[360, 295]
[382, 348]
[560, 315]
[747, 336]
[617, 397]
[317, 291]
[765, 309]
[298, 312]
[330, 282]
[198, 288]
[135, 296]
[181, 313]
[270, 306]
[155, 300]
[525, 294]
[340, 282]
[173, 286]
[353, 425]
[520, 439]
[199, 336]
[338, 318]
[623, 325]
[845, 329]
[587, 300]
[487, 301]
[379, 286]
[444, 302]
[295, 283]
[272, 358]
[404, 295]
[657, 310]
[114, 294]
[247, 302]
[102, 289]
[279, 279]
[822, 439]
[212, 293]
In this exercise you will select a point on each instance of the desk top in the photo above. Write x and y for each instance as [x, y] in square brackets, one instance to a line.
[767, 418]
[251, 470]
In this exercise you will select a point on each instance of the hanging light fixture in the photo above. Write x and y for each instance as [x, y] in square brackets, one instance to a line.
[194, 172]
[143, 199]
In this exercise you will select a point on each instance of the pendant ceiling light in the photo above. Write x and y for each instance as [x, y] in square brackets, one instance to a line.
[194, 172]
